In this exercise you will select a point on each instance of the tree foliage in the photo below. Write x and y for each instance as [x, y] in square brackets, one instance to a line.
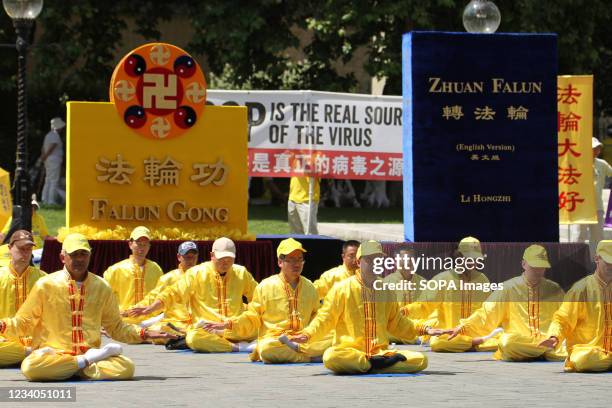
[271, 44]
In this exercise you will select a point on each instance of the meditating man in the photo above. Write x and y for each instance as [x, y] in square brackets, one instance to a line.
[282, 304]
[65, 313]
[524, 309]
[214, 292]
[457, 295]
[133, 278]
[363, 318]
[584, 319]
[16, 282]
[175, 319]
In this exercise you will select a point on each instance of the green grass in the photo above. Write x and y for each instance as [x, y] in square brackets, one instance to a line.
[269, 219]
[55, 217]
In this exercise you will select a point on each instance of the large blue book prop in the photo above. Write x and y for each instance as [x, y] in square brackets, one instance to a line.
[480, 137]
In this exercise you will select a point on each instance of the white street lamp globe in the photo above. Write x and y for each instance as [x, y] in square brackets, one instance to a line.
[481, 16]
[23, 9]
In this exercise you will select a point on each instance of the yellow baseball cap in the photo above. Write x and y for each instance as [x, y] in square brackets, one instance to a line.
[470, 247]
[536, 257]
[287, 246]
[370, 248]
[140, 232]
[75, 242]
[604, 250]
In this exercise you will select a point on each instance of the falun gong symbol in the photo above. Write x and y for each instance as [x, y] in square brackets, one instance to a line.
[158, 90]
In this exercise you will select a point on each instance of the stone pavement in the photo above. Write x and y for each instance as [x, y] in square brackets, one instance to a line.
[394, 232]
[182, 378]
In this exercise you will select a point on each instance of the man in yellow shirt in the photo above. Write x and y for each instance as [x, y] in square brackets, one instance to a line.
[349, 265]
[404, 273]
[178, 316]
[133, 278]
[282, 304]
[454, 300]
[584, 319]
[524, 309]
[214, 291]
[301, 210]
[16, 282]
[362, 318]
[64, 312]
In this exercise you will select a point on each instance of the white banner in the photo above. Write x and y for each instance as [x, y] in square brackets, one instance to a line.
[322, 134]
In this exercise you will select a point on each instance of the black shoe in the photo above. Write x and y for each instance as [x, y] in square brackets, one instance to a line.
[380, 362]
[177, 344]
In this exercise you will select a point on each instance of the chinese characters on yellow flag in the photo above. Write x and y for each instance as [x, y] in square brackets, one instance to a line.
[575, 126]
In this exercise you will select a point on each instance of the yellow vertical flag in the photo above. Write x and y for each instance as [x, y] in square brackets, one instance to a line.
[577, 203]
[6, 206]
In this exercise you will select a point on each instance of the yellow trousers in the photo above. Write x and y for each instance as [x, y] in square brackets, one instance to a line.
[460, 344]
[11, 353]
[589, 359]
[53, 367]
[204, 342]
[514, 347]
[396, 340]
[271, 351]
[348, 360]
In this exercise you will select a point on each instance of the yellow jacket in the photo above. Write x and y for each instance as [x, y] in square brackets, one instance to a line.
[362, 318]
[14, 289]
[208, 295]
[585, 317]
[59, 314]
[131, 284]
[5, 255]
[178, 313]
[449, 305]
[405, 297]
[299, 189]
[276, 308]
[330, 277]
[519, 308]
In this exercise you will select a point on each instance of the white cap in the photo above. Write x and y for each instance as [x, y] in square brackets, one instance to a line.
[595, 143]
[57, 123]
[34, 202]
[224, 247]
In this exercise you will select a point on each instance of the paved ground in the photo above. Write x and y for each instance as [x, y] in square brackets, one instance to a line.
[395, 232]
[170, 379]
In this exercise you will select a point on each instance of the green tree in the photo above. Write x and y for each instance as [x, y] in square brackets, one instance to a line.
[271, 44]
[72, 58]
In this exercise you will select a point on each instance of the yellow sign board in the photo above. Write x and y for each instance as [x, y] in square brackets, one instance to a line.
[6, 206]
[577, 203]
[193, 182]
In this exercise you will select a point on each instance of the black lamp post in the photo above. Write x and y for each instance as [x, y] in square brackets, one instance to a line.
[23, 13]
